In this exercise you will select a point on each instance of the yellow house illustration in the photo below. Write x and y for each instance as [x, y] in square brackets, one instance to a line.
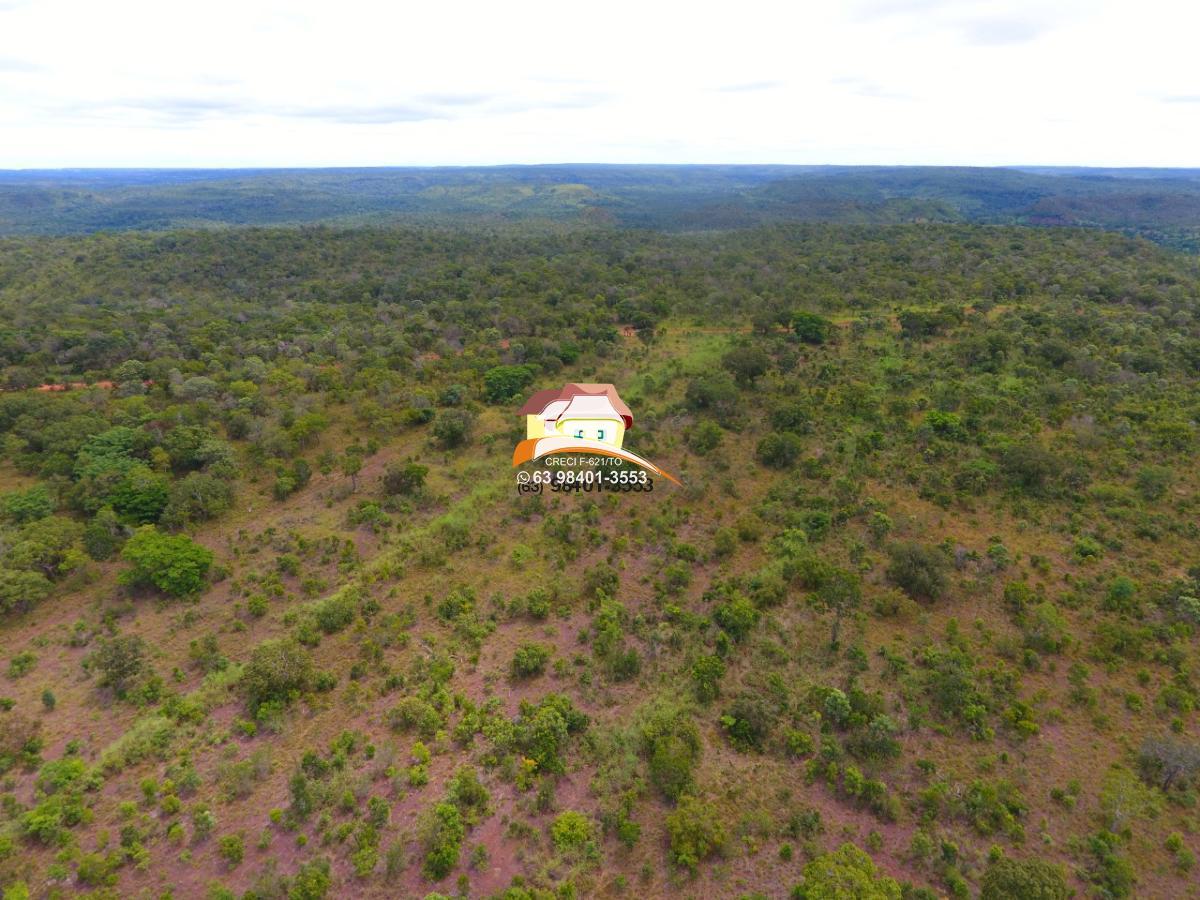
[578, 418]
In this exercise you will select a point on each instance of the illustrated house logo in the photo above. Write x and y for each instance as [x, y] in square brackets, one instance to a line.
[579, 418]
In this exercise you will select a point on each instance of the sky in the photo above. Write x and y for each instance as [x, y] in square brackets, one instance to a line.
[154, 83]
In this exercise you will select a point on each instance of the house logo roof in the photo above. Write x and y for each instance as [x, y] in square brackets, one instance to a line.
[542, 400]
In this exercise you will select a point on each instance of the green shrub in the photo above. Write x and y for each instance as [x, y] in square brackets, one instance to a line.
[95, 870]
[537, 603]
[748, 721]
[232, 848]
[704, 437]
[994, 807]
[696, 831]
[47, 822]
[312, 882]
[1154, 481]
[707, 672]
[468, 794]
[918, 570]
[453, 427]
[336, 611]
[736, 616]
[671, 744]
[543, 730]
[442, 833]
[571, 830]
[415, 714]
[278, 670]
[1028, 879]
[1046, 631]
[846, 872]
[1110, 871]
[21, 664]
[779, 450]
[530, 660]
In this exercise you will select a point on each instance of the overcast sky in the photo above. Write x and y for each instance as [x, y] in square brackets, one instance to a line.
[300, 83]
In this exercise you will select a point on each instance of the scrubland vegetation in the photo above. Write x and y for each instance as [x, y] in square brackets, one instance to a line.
[921, 621]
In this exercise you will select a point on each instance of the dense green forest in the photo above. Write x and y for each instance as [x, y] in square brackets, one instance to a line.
[922, 620]
[1160, 204]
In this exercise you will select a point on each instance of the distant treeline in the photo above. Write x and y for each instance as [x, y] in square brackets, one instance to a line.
[1160, 204]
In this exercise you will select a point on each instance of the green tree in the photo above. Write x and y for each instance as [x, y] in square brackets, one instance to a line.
[502, 383]
[196, 497]
[141, 495]
[26, 506]
[811, 328]
[1154, 481]
[132, 371]
[103, 534]
[173, 563]
[22, 589]
[840, 592]
[715, 393]
[49, 545]
[404, 479]
[119, 661]
[1031, 468]
[1169, 761]
[352, 464]
[747, 364]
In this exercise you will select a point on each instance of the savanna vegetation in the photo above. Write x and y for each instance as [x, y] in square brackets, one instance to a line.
[921, 621]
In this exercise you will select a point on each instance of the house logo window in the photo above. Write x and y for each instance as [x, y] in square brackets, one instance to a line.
[579, 418]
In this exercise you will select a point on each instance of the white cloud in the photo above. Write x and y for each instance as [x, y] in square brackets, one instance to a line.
[137, 83]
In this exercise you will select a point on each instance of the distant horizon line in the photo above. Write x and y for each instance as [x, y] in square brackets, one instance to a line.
[584, 164]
